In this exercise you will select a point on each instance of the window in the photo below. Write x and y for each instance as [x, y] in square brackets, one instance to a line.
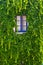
[21, 23]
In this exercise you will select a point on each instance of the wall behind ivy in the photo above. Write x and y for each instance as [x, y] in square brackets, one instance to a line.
[25, 49]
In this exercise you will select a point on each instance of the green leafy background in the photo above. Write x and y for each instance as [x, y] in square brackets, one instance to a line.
[25, 49]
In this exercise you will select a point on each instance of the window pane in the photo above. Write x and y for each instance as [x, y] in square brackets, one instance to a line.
[18, 17]
[23, 22]
[23, 17]
[24, 28]
[18, 28]
[19, 22]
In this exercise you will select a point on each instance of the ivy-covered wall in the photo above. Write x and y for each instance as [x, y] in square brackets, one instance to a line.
[25, 49]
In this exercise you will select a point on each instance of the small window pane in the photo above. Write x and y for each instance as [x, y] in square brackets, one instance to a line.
[18, 28]
[23, 22]
[23, 17]
[18, 22]
[24, 28]
[18, 17]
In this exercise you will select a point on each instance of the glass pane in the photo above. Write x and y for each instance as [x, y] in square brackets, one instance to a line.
[18, 28]
[24, 28]
[23, 17]
[23, 22]
[18, 17]
[19, 22]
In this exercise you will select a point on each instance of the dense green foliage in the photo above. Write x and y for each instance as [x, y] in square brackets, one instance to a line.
[25, 49]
